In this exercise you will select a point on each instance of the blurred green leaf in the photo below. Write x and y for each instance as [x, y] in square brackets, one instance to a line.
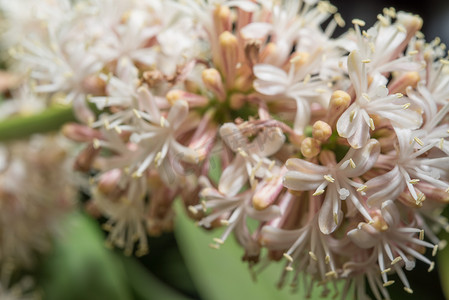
[81, 268]
[145, 285]
[220, 274]
[443, 266]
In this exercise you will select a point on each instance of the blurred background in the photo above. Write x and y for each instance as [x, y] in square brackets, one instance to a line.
[81, 268]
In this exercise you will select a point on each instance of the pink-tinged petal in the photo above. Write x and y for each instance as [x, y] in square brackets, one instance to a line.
[270, 213]
[361, 133]
[302, 115]
[185, 153]
[270, 80]
[385, 187]
[363, 158]
[234, 177]
[357, 73]
[330, 211]
[303, 166]
[390, 213]
[232, 136]
[178, 113]
[279, 239]
[364, 237]
[346, 127]
[268, 142]
[148, 104]
[302, 181]
[256, 30]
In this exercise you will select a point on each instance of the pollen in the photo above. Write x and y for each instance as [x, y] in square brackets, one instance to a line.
[329, 178]
[358, 22]
[288, 257]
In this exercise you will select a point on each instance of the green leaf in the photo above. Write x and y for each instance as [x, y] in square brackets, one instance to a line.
[145, 285]
[81, 268]
[220, 274]
[443, 265]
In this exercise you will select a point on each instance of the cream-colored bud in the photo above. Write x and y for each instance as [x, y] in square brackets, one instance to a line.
[310, 147]
[339, 101]
[212, 80]
[321, 131]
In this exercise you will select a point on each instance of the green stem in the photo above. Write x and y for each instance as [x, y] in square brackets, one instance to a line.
[23, 126]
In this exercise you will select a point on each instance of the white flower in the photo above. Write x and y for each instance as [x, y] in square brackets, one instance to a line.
[306, 176]
[296, 85]
[407, 168]
[355, 123]
[251, 161]
[392, 242]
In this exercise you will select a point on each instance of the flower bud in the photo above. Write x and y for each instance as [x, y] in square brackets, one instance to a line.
[321, 131]
[80, 133]
[339, 101]
[194, 100]
[212, 80]
[108, 182]
[229, 56]
[265, 196]
[310, 147]
[222, 19]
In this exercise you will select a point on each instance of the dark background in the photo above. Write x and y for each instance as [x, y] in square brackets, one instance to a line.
[435, 13]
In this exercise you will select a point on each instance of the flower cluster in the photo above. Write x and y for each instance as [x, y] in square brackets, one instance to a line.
[336, 147]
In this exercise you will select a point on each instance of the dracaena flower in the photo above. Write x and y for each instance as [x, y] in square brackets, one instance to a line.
[408, 167]
[372, 100]
[299, 86]
[251, 160]
[232, 210]
[392, 242]
[384, 43]
[336, 179]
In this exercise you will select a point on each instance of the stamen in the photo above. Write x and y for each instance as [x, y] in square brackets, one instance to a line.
[214, 246]
[288, 268]
[358, 22]
[366, 61]
[396, 260]
[313, 256]
[224, 222]
[288, 257]
[421, 235]
[336, 218]
[385, 271]
[218, 241]
[431, 267]
[329, 178]
[352, 163]
[417, 140]
[193, 210]
[317, 193]
[362, 188]
[406, 105]
[136, 112]
[413, 181]
[388, 283]
[371, 124]
[96, 143]
[435, 250]
[408, 290]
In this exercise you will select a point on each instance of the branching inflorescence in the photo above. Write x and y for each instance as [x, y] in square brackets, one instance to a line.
[337, 147]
